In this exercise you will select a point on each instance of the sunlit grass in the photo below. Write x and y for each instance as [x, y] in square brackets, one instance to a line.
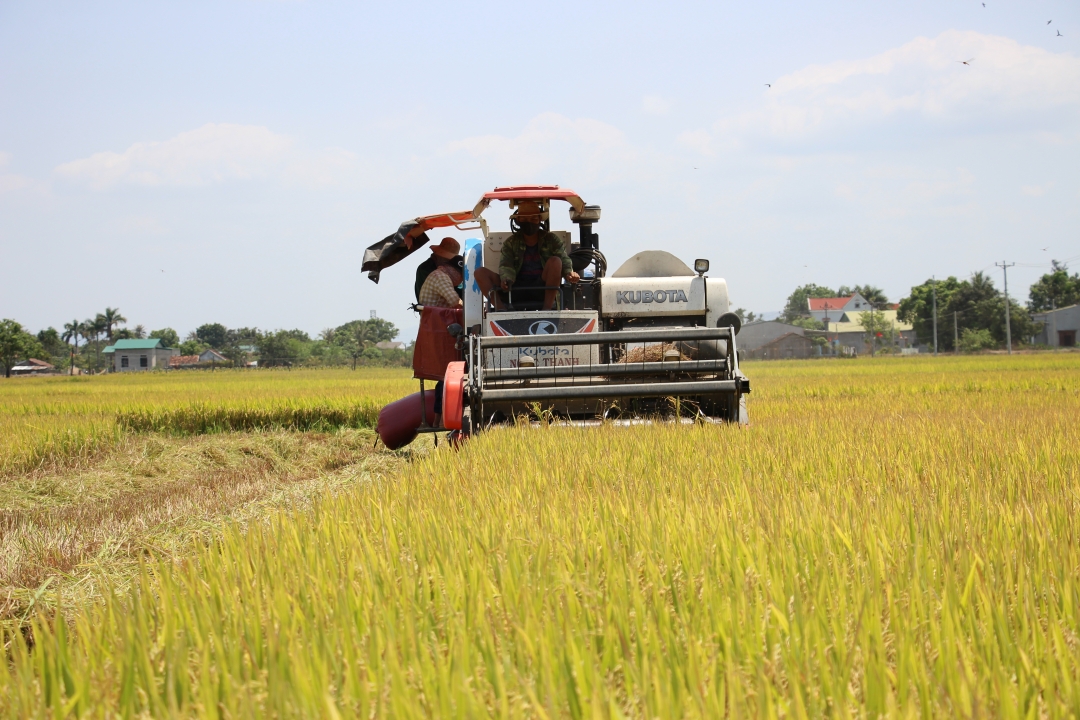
[65, 418]
[896, 537]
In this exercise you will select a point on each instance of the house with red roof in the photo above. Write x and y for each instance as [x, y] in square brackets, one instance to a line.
[830, 310]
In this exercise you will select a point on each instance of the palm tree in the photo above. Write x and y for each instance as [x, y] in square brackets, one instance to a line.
[874, 295]
[72, 332]
[111, 317]
[983, 285]
[92, 330]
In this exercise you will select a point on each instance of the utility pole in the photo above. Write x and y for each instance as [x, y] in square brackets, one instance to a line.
[1008, 325]
[1051, 337]
[955, 334]
[873, 332]
[933, 288]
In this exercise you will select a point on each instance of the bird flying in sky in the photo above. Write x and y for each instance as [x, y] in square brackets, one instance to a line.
[768, 85]
[966, 62]
[1059, 34]
[1049, 21]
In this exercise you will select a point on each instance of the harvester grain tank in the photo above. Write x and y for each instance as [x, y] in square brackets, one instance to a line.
[654, 340]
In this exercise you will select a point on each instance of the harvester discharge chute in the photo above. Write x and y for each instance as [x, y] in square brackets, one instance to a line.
[655, 340]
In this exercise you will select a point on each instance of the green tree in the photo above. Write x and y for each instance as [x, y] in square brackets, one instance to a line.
[93, 330]
[976, 340]
[110, 318]
[53, 345]
[375, 329]
[72, 332]
[1055, 289]
[980, 306]
[283, 348]
[808, 323]
[746, 316]
[215, 335]
[192, 346]
[917, 309]
[872, 294]
[136, 333]
[797, 305]
[16, 344]
[879, 331]
[969, 304]
[234, 354]
[244, 336]
[169, 337]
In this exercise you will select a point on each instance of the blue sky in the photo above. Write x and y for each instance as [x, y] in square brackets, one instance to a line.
[229, 161]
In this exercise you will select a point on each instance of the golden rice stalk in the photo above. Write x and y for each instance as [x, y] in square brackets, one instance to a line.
[653, 352]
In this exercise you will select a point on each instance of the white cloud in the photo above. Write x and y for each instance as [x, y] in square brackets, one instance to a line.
[655, 105]
[701, 141]
[11, 182]
[923, 79]
[552, 143]
[1037, 190]
[210, 154]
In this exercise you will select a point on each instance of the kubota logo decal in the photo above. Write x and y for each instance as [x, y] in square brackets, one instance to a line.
[543, 327]
[649, 296]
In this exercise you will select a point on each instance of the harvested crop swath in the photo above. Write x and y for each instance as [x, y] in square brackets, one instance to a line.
[207, 417]
[906, 543]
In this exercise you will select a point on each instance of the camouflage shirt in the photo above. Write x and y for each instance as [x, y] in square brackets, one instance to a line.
[513, 253]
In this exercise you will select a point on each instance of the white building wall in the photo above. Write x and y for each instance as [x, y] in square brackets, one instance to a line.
[856, 302]
[1054, 323]
[156, 359]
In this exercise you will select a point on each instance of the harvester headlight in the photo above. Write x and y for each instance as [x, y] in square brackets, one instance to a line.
[587, 214]
[701, 266]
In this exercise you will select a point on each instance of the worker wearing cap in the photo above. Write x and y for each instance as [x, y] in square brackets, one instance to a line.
[531, 257]
[439, 289]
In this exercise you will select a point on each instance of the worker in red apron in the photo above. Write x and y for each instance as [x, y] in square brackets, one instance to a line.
[442, 304]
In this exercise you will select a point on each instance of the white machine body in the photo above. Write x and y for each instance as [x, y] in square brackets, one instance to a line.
[654, 297]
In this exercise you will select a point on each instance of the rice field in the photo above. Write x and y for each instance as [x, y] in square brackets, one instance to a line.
[896, 537]
[72, 418]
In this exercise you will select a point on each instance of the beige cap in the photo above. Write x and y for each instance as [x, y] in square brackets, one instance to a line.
[527, 208]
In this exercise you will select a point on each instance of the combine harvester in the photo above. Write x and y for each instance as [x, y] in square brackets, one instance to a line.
[653, 341]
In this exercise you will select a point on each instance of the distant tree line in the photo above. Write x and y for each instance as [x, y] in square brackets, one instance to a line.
[971, 312]
[350, 344]
[80, 344]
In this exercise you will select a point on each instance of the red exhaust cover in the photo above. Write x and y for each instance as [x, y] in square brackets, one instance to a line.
[398, 421]
[453, 404]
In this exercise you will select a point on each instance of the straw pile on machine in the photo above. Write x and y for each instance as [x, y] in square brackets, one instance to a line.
[655, 352]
